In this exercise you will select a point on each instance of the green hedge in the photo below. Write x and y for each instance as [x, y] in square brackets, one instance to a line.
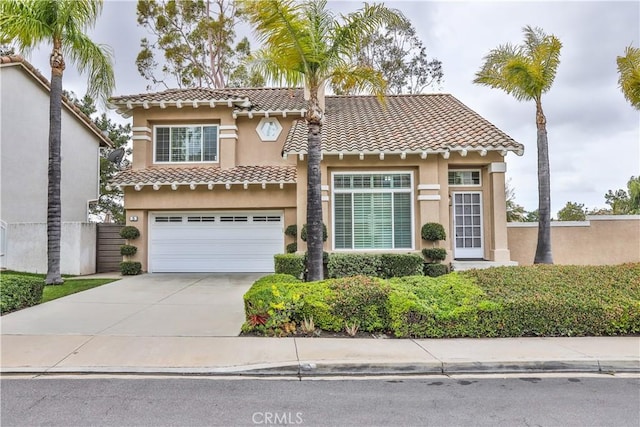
[400, 265]
[129, 232]
[130, 268]
[18, 292]
[435, 254]
[497, 302]
[346, 265]
[435, 270]
[292, 264]
[128, 250]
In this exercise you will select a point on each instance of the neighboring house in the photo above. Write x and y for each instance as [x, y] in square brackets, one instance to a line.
[217, 176]
[24, 158]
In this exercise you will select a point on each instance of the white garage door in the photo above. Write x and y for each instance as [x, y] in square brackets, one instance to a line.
[215, 241]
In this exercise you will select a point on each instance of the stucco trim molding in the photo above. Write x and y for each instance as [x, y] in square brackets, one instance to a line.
[141, 129]
[428, 186]
[228, 136]
[141, 137]
[497, 167]
[429, 197]
[553, 224]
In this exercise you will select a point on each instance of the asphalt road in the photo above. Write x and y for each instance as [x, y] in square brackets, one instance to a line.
[434, 401]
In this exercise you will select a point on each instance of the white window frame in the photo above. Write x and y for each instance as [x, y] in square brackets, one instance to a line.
[202, 125]
[465, 170]
[409, 190]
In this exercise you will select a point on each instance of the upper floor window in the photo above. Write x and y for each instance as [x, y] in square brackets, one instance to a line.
[186, 144]
[464, 177]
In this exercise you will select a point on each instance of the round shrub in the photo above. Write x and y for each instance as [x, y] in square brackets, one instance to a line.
[435, 254]
[128, 250]
[433, 231]
[129, 232]
[303, 233]
[291, 230]
[130, 268]
[435, 270]
[292, 248]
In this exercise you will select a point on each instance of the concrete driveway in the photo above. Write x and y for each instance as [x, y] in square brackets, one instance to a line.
[149, 305]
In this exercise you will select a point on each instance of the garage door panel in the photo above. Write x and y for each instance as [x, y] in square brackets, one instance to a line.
[243, 242]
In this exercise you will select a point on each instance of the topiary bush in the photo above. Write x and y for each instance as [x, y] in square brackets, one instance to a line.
[435, 270]
[399, 265]
[129, 232]
[128, 250]
[435, 254]
[303, 233]
[291, 231]
[291, 264]
[360, 300]
[292, 248]
[433, 231]
[346, 265]
[130, 268]
[18, 292]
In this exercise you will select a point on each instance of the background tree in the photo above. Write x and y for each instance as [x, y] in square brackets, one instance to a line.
[526, 72]
[629, 79]
[533, 216]
[110, 204]
[572, 212]
[62, 23]
[625, 202]
[399, 54]
[195, 39]
[305, 44]
[515, 212]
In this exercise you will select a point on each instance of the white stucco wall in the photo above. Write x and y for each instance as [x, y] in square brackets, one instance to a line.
[24, 133]
[27, 248]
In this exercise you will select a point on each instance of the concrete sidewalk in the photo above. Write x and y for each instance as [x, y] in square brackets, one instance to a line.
[188, 324]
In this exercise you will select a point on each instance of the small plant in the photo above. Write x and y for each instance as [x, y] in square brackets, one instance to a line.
[129, 232]
[433, 231]
[435, 254]
[303, 233]
[130, 268]
[435, 269]
[291, 231]
[307, 326]
[128, 250]
[351, 328]
[292, 248]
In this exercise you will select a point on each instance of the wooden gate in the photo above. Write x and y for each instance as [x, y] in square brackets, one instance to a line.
[108, 243]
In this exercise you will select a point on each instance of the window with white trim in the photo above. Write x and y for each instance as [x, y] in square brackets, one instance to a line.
[464, 178]
[372, 211]
[186, 144]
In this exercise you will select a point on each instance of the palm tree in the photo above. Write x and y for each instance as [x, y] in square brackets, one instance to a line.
[305, 44]
[526, 72]
[629, 80]
[29, 23]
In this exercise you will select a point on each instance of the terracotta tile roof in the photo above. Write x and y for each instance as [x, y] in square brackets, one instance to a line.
[200, 175]
[242, 99]
[410, 123]
[9, 60]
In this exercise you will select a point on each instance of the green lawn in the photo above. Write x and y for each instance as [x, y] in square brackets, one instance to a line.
[71, 286]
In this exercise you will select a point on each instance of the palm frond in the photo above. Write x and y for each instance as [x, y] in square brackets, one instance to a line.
[358, 79]
[95, 60]
[629, 75]
[21, 24]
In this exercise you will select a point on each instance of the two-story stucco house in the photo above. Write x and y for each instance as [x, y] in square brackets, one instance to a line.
[218, 175]
[24, 159]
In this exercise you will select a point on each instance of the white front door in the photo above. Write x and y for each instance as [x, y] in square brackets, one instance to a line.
[467, 225]
[214, 241]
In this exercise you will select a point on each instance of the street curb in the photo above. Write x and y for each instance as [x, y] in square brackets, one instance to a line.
[355, 369]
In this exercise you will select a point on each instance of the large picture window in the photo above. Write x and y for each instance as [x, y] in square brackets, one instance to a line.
[372, 211]
[186, 144]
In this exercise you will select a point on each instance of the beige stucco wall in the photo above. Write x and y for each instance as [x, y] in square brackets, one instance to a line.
[601, 240]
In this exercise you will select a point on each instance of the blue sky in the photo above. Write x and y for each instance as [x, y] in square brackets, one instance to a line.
[594, 134]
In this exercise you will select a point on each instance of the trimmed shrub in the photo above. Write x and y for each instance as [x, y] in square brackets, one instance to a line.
[291, 264]
[435, 270]
[292, 248]
[130, 268]
[128, 250]
[433, 231]
[399, 265]
[360, 300]
[18, 292]
[129, 232]
[435, 254]
[291, 231]
[346, 265]
[303, 233]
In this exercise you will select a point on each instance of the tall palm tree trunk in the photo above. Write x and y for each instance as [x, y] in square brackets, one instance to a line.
[314, 204]
[543, 249]
[54, 204]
